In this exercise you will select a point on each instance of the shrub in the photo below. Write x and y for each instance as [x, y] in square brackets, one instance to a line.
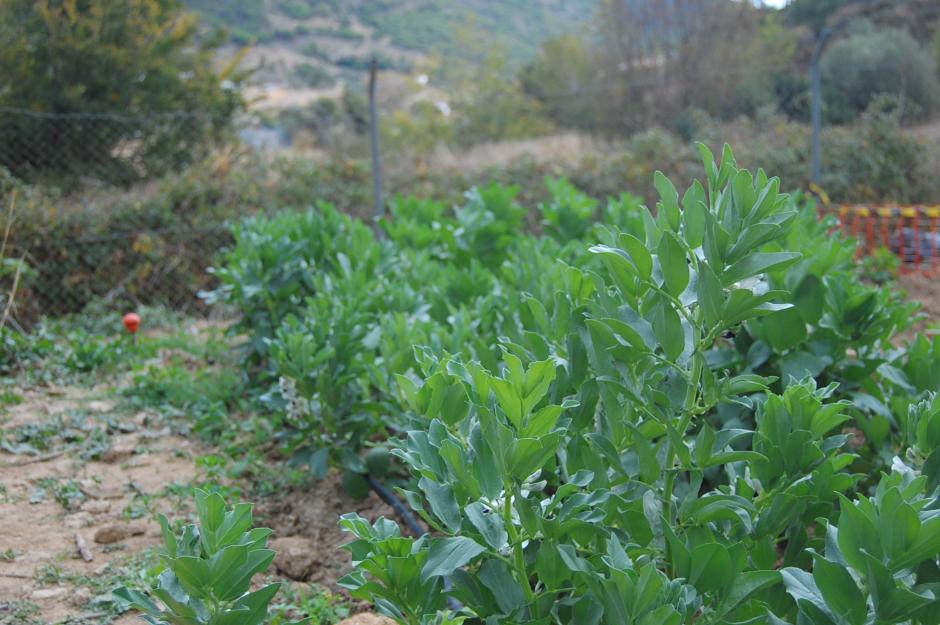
[879, 61]
[108, 60]
[310, 75]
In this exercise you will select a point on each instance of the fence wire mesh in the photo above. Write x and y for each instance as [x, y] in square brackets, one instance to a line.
[89, 224]
[114, 149]
[124, 210]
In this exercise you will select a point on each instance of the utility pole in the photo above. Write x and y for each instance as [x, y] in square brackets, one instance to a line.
[823, 38]
[379, 207]
[815, 76]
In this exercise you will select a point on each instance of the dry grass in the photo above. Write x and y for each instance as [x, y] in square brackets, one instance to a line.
[563, 148]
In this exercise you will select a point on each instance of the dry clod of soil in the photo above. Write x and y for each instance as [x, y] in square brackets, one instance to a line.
[367, 619]
[96, 506]
[78, 520]
[119, 452]
[98, 405]
[296, 557]
[117, 532]
[49, 593]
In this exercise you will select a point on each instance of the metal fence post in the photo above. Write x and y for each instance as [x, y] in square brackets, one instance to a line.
[379, 208]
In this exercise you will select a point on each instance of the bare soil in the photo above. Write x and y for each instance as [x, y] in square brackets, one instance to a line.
[41, 564]
[314, 516]
[924, 289]
[145, 469]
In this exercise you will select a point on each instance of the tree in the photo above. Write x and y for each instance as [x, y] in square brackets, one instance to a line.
[874, 62]
[651, 62]
[815, 13]
[87, 71]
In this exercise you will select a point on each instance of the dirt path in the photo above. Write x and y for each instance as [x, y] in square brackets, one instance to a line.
[84, 475]
[923, 289]
[81, 480]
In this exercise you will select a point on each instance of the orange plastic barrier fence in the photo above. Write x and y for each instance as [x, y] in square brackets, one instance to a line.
[911, 232]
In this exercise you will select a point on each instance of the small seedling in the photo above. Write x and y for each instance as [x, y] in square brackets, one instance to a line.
[208, 571]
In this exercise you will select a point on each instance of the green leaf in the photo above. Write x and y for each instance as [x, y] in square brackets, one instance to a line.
[238, 580]
[663, 615]
[257, 603]
[496, 576]
[640, 256]
[669, 199]
[446, 555]
[668, 329]
[783, 330]
[758, 263]
[892, 603]
[708, 162]
[857, 533]
[193, 574]
[839, 590]
[744, 585]
[542, 422]
[442, 501]
[674, 264]
[693, 214]
[509, 400]
[802, 587]
[169, 538]
[711, 567]
[136, 600]
[211, 509]
[225, 561]
[711, 296]
[621, 268]
[489, 523]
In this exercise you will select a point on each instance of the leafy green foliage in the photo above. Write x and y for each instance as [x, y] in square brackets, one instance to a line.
[879, 561]
[661, 417]
[872, 62]
[334, 314]
[208, 570]
[560, 485]
[108, 58]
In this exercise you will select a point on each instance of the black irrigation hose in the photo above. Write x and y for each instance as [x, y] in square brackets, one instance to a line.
[411, 522]
[389, 497]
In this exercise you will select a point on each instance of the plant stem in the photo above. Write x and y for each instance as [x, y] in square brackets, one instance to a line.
[688, 411]
[518, 553]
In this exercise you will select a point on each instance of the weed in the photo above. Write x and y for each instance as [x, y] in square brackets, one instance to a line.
[9, 398]
[72, 431]
[67, 493]
[206, 396]
[19, 613]
[300, 601]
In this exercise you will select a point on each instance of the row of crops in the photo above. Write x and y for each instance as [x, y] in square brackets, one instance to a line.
[697, 414]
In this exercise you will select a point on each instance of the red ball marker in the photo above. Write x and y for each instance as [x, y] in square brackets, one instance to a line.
[132, 322]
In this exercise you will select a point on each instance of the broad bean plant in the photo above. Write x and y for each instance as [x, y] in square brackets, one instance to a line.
[208, 569]
[628, 458]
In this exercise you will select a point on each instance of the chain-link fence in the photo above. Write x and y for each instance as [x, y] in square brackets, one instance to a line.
[128, 210]
[105, 147]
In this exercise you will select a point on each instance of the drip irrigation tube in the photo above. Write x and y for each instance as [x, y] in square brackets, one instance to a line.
[389, 497]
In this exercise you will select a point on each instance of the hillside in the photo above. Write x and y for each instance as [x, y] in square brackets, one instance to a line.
[314, 43]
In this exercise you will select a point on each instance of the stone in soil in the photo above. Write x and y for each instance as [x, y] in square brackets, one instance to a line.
[296, 557]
